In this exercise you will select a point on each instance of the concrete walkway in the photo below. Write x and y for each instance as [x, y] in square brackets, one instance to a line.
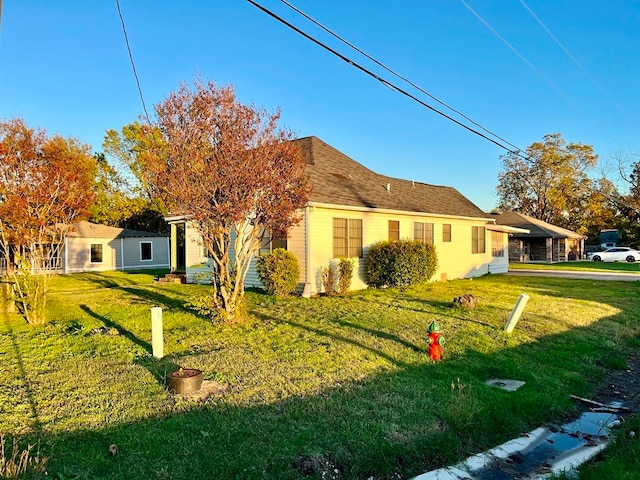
[538, 454]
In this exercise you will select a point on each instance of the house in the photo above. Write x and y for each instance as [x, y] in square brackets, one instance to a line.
[351, 208]
[544, 242]
[89, 247]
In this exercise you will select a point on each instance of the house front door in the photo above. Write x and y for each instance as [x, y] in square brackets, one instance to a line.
[181, 253]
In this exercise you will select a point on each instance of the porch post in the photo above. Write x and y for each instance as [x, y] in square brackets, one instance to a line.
[174, 248]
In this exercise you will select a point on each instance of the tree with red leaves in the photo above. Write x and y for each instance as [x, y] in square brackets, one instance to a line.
[45, 185]
[231, 171]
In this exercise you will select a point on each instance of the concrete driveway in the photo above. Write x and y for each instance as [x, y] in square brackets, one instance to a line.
[606, 276]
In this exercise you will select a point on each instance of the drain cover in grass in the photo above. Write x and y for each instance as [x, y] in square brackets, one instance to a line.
[508, 385]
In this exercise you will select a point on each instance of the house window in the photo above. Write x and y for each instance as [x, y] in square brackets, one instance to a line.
[270, 244]
[497, 244]
[347, 238]
[477, 240]
[145, 252]
[394, 230]
[96, 253]
[423, 232]
[446, 232]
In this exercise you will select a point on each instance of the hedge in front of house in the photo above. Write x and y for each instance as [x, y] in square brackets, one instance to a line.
[400, 263]
[278, 271]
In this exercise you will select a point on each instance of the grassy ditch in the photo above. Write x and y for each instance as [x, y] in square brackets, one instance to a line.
[332, 387]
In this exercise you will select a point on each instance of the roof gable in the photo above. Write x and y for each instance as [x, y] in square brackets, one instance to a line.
[94, 230]
[339, 180]
[537, 228]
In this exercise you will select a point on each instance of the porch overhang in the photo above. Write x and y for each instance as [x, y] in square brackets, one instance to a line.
[505, 229]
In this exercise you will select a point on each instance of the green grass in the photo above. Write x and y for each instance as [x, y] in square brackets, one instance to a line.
[307, 386]
[583, 265]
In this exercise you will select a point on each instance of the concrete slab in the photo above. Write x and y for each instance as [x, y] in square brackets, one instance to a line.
[537, 455]
[505, 384]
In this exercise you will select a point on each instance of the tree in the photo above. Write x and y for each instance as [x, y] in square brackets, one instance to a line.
[550, 182]
[230, 170]
[627, 197]
[119, 204]
[45, 185]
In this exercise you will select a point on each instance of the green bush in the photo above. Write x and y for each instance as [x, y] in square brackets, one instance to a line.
[400, 263]
[279, 272]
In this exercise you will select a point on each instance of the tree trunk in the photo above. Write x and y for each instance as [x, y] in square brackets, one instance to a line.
[8, 304]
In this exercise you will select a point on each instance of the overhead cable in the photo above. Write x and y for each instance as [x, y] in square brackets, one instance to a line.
[575, 62]
[382, 80]
[133, 65]
[401, 77]
[535, 69]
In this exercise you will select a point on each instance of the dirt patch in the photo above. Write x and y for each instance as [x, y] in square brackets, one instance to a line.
[622, 385]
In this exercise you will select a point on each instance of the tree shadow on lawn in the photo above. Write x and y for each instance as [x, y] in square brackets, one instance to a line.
[433, 308]
[408, 421]
[155, 297]
[348, 340]
[158, 367]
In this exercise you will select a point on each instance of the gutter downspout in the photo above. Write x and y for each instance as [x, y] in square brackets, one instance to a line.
[306, 291]
[66, 254]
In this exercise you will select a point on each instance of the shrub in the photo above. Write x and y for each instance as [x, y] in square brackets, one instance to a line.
[279, 272]
[345, 274]
[400, 263]
[20, 463]
[328, 275]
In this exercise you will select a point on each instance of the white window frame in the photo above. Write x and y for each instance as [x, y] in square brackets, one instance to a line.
[91, 245]
[497, 244]
[150, 250]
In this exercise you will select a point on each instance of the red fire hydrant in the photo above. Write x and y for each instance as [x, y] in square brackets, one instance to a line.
[435, 341]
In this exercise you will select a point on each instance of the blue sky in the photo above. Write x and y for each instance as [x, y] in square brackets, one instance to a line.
[64, 66]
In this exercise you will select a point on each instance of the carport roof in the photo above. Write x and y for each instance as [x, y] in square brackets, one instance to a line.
[537, 228]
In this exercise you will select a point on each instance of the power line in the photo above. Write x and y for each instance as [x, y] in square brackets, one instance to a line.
[382, 80]
[133, 65]
[573, 59]
[329, 31]
[535, 69]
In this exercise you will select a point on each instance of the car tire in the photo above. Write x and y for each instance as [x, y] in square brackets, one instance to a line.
[596, 258]
[631, 259]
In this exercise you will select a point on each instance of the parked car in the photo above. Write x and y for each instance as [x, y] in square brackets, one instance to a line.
[617, 254]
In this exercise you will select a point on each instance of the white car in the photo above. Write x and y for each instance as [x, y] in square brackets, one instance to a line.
[617, 254]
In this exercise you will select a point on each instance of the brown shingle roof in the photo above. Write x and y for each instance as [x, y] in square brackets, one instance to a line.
[95, 230]
[537, 228]
[340, 180]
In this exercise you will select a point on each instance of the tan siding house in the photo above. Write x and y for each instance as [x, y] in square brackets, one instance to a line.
[352, 207]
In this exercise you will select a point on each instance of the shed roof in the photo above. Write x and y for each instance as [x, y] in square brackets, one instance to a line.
[537, 228]
[94, 230]
[339, 180]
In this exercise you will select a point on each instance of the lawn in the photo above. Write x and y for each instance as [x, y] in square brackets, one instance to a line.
[582, 265]
[331, 387]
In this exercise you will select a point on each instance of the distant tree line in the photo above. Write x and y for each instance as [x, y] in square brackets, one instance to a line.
[555, 181]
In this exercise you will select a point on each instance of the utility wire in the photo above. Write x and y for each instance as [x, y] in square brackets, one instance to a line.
[382, 80]
[420, 89]
[535, 69]
[133, 65]
[573, 59]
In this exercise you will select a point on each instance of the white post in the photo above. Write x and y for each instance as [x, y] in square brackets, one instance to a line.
[156, 332]
[517, 311]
